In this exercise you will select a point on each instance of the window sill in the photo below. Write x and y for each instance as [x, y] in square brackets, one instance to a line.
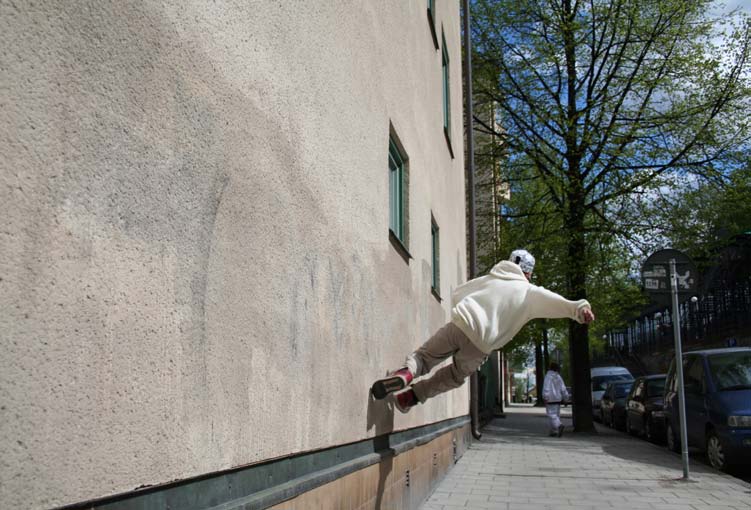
[399, 246]
[435, 294]
[431, 23]
[448, 141]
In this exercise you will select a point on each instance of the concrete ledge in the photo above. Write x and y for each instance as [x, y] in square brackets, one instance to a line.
[265, 485]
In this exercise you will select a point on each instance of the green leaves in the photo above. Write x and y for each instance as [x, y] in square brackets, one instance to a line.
[599, 110]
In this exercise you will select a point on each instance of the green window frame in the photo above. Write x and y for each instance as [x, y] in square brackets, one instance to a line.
[397, 202]
[436, 257]
[446, 88]
[431, 21]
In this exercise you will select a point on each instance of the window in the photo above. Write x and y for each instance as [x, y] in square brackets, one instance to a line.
[446, 93]
[655, 387]
[621, 390]
[398, 179]
[600, 383]
[436, 259]
[731, 371]
[431, 21]
[694, 377]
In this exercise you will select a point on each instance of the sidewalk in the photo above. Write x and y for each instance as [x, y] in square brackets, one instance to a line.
[516, 466]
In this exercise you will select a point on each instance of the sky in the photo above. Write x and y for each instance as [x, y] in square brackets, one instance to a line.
[745, 4]
[729, 5]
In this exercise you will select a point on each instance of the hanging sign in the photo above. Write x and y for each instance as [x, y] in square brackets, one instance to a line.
[655, 275]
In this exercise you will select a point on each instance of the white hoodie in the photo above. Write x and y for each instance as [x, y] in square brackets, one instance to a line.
[553, 389]
[491, 309]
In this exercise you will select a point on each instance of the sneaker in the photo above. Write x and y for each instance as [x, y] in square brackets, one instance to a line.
[405, 400]
[560, 430]
[395, 381]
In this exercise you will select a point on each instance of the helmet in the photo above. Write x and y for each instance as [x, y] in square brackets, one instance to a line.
[524, 259]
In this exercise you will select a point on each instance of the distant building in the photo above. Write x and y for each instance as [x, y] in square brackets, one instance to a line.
[221, 222]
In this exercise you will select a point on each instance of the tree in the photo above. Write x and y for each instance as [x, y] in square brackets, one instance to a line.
[703, 218]
[601, 102]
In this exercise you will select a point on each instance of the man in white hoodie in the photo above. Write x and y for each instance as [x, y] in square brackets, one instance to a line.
[554, 393]
[488, 311]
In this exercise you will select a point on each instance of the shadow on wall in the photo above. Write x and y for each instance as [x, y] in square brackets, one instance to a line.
[381, 416]
[461, 276]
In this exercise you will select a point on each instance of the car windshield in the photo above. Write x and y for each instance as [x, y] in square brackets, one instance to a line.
[600, 382]
[655, 387]
[621, 390]
[731, 370]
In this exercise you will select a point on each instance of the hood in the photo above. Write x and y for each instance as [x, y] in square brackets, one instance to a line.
[654, 403]
[732, 402]
[507, 270]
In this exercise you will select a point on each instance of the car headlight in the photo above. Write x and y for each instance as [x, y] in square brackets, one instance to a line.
[739, 421]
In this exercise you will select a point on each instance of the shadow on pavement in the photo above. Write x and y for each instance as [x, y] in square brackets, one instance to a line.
[527, 425]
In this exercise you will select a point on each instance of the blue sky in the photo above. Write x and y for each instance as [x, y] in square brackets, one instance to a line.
[731, 4]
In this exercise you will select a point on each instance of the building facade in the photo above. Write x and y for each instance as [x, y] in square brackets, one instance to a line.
[221, 222]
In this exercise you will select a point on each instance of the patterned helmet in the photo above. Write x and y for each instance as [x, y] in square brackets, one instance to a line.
[524, 259]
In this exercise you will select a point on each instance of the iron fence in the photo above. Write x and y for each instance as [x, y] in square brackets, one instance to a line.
[719, 316]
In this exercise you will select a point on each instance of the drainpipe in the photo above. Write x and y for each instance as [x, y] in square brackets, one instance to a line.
[473, 383]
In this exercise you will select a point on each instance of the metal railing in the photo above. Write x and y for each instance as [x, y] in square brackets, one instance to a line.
[714, 318]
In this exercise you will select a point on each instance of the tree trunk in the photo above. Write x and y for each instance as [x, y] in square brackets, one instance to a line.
[578, 333]
[508, 393]
[574, 225]
[538, 372]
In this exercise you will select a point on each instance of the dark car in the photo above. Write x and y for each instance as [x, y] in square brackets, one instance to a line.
[613, 404]
[644, 415]
[600, 377]
[718, 405]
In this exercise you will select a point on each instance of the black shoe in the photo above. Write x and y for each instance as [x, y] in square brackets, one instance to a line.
[560, 430]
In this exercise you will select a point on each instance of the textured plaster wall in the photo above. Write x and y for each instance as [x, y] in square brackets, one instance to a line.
[195, 271]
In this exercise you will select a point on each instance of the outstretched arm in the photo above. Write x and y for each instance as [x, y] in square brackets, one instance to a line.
[545, 304]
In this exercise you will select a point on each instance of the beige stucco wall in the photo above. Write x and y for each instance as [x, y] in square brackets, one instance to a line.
[195, 270]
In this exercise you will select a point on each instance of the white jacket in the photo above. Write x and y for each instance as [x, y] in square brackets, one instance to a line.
[491, 309]
[553, 389]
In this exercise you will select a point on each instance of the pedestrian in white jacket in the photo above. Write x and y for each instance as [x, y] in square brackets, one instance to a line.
[554, 393]
[488, 311]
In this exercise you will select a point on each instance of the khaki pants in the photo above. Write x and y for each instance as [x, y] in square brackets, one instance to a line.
[446, 342]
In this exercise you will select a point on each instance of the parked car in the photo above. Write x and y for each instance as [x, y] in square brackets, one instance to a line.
[600, 377]
[718, 405]
[613, 404]
[644, 414]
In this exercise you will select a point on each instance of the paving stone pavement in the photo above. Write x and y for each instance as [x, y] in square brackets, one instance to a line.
[516, 466]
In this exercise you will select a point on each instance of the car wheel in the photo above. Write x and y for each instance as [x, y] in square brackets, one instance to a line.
[715, 451]
[674, 445]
